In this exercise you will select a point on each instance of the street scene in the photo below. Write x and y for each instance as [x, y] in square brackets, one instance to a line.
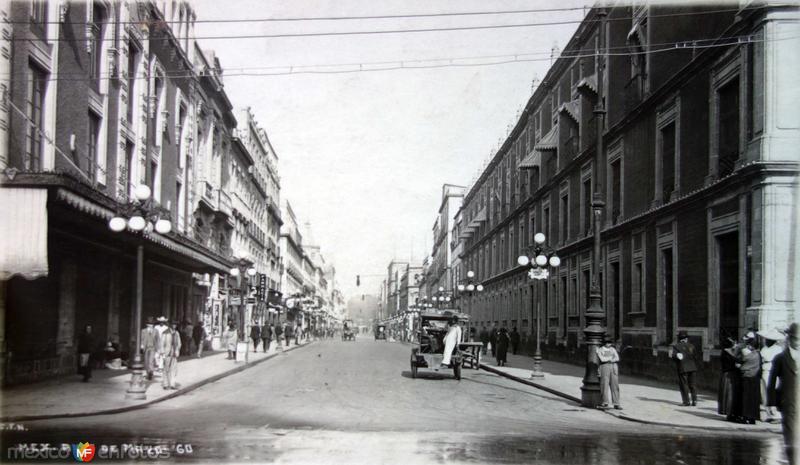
[253, 231]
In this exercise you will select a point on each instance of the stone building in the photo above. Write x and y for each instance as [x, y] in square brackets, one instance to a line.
[698, 176]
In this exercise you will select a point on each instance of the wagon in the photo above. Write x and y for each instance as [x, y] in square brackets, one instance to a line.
[427, 351]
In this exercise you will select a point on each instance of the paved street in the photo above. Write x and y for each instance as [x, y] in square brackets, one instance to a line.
[358, 403]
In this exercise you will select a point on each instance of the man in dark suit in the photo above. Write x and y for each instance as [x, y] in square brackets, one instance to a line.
[484, 336]
[493, 339]
[782, 390]
[684, 355]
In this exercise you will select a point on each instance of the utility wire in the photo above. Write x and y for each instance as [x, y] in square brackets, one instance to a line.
[346, 18]
[400, 31]
[409, 65]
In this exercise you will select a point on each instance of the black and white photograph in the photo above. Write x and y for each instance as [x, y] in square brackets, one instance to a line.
[380, 232]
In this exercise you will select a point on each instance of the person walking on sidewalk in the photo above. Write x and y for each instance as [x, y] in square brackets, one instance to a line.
[231, 337]
[514, 340]
[161, 327]
[684, 355]
[782, 391]
[86, 346]
[266, 336]
[278, 334]
[608, 358]
[493, 340]
[728, 393]
[199, 337]
[484, 337]
[503, 341]
[770, 350]
[171, 349]
[287, 334]
[255, 335]
[150, 339]
[749, 364]
[298, 334]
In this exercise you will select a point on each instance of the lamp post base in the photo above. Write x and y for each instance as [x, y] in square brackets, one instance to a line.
[537, 366]
[137, 389]
[590, 395]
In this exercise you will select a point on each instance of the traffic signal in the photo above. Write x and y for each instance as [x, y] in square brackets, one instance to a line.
[358, 280]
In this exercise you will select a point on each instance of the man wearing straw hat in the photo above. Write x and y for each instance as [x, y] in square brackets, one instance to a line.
[769, 351]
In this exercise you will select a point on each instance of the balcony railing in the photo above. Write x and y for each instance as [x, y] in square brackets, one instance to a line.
[224, 202]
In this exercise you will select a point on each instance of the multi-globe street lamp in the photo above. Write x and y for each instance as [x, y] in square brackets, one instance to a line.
[469, 286]
[539, 260]
[141, 216]
[441, 297]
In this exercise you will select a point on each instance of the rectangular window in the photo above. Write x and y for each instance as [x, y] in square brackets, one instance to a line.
[667, 291]
[546, 222]
[586, 188]
[98, 29]
[586, 286]
[39, 12]
[563, 232]
[637, 286]
[92, 144]
[129, 160]
[616, 191]
[574, 294]
[667, 161]
[728, 141]
[153, 175]
[133, 63]
[564, 305]
[37, 82]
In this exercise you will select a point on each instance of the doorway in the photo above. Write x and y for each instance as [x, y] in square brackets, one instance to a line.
[728, 274]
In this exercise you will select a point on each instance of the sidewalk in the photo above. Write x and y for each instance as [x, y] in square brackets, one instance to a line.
[644, 400]
[68, 396]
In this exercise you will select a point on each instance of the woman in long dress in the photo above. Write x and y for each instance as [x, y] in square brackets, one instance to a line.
[728, 381]
[750, 366]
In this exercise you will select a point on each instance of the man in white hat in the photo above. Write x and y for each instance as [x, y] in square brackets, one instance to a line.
[160, 328]
[770, 349]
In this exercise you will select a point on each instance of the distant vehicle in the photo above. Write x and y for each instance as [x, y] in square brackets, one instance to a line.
[380, 332]
[347, 331]
[431, 329]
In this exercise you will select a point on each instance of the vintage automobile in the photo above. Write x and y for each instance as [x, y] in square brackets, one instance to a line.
[348, 334]
[380, 332]
[428, 349]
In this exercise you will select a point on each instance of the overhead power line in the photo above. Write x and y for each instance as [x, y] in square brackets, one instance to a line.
[354, 17]
[404, 31]
[448, 63]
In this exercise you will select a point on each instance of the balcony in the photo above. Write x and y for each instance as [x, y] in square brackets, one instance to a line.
[206, 192]
[224, 211]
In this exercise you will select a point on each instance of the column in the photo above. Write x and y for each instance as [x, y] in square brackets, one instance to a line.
[67, 288]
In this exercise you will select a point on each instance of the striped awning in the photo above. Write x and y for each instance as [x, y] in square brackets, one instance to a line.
[23, 229]
[572, 109]
[588, 83]
[549, 141]
[533, 160]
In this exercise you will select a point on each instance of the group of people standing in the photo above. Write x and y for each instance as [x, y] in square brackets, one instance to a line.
[263, 335]
[499, 340]
[161, 345]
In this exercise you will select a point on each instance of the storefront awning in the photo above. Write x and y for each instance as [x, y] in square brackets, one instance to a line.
[549, 141]
[572, 109]
[533, 160]
[23, 229]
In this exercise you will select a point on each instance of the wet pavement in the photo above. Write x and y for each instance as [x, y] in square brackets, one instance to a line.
[345, 402]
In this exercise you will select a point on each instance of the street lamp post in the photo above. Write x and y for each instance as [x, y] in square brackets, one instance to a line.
[141, 216]
[542, 257]
[441, 297]
[594, 330]
[242, 268]
[469, 286]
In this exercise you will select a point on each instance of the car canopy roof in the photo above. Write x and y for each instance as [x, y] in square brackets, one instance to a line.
[443, 315]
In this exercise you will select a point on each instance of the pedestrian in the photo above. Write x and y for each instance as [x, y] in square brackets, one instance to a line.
[514, 340]
[231, 336]
[451, 340]
[149, 346]
[86, 346]
[684, 355]
[255, 335]
[287, 334]
[186, 337]
[782, 391]
[484, 337]
[199, 337]
[493, 339]
[503, 341]
[728, 392]
[266, 336]
[608, 358]
[298, 334]
[161, 327]
[769, 351]
[278, 334]
[171, 349]
[749, 364]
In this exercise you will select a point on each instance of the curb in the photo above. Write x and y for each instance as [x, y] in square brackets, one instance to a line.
[142, 405]
[502, 373]
[622, 416]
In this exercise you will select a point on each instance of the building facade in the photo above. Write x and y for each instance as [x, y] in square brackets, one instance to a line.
[697, 173]
[439, 273]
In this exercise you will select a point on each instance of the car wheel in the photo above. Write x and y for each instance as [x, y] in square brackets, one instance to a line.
[413, 370]
[457, 371]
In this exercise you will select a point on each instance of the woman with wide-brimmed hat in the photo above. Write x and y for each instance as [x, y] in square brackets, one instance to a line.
[749, 365]
[769, 351]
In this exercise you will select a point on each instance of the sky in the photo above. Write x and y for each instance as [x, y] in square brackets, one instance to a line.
[363, 155]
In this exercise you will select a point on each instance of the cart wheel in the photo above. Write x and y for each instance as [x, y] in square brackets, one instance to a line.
[457, 371]
[413, 370]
